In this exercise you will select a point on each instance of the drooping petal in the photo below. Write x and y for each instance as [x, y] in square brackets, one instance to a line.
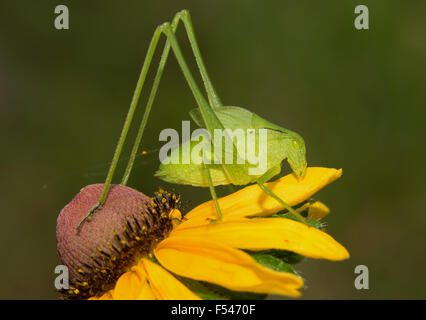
[107, 296]
[165, 285]
[204, 260]
[133, 285]
[252, 201]
[318, 210]
[269, 233]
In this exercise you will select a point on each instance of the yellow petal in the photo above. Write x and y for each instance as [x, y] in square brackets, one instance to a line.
[318, 210]
[105, 296]
[166, 286]
[199, 259]
[147, 292]
[252, 201]
[133, 285]
[269, 233]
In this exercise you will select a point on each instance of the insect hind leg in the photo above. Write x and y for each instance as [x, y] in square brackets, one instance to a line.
[213, 97]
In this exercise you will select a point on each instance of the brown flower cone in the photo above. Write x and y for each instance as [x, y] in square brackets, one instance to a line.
[77, 249]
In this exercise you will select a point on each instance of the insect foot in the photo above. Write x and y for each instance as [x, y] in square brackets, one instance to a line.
[89, 216]
[127, 227]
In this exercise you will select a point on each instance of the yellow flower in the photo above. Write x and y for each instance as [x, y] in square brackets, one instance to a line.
[211, 252]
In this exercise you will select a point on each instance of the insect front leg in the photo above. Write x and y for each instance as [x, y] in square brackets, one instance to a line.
[269, 175]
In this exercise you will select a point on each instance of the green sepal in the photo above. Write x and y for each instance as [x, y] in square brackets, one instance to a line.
[287, 257]
[274, 263]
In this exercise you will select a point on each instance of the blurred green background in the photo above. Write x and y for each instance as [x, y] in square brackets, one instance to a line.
[357, 97]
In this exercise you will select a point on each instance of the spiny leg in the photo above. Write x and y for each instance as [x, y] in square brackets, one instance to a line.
[214, 99]
[269, 175]
[210, 118]
[184, 15]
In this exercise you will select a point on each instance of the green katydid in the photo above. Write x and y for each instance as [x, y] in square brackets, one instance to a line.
[212, 115]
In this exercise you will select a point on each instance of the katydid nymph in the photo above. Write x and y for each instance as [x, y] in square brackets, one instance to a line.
[212, 115]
